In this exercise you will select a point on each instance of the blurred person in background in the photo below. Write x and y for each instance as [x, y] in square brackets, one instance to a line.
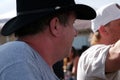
[102, 60]
[58, 69]
[71, 65]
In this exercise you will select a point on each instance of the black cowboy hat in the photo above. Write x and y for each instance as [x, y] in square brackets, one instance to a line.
[31, 10]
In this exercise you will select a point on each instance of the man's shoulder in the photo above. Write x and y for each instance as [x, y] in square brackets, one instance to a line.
[13, 45]
[14, 50]
[96, 50]
[99, 47]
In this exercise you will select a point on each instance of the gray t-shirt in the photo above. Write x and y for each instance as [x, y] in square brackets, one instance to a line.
[91, 65]
[18, 61]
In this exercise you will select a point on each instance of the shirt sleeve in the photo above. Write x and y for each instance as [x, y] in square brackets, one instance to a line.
[92, 62]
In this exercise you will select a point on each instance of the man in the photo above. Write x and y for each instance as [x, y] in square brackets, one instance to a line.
[106, 17]
[44, 31]
[102, 62]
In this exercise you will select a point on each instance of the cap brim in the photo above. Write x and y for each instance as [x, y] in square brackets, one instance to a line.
[83, 12]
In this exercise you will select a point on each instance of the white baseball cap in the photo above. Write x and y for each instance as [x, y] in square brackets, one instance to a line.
[105, 15]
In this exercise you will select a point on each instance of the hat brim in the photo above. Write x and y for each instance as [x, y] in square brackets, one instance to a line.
[83, 12]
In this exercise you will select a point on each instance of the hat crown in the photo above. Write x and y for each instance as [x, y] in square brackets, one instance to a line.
[33, 10]
[30, 5]
[105, 15]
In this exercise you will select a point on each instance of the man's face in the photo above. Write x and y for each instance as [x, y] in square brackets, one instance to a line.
[114, 31]
[68, 34]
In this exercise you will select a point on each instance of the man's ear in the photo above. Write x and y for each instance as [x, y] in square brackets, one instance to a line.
[55, 27]
[103, 30]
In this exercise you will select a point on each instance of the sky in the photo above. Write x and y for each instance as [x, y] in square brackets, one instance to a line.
[8, 7]
[96, 3]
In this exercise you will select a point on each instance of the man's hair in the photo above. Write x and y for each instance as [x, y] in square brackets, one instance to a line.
[96, 36]
[40, 24]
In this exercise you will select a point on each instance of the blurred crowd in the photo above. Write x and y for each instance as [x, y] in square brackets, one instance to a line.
[66, 69]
